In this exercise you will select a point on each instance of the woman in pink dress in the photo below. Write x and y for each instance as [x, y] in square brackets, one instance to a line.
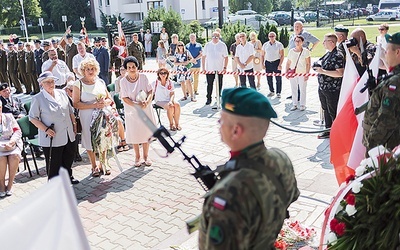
[137, 91]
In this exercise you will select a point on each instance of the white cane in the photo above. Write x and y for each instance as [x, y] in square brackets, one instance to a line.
[217, 92]
[321, 121]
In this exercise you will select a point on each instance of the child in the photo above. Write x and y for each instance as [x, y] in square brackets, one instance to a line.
[161, 54]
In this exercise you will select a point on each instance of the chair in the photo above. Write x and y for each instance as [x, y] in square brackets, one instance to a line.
[27, 106]
[111, 87]
[28, 130]
[158, 112]
[119, 105]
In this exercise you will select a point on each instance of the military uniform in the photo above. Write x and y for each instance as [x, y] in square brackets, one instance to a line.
[12, 64]
[60, 53]
[70, 50]
[248, 204]
[3, 66]
[31, 72]
[382, 117]
[115, 61]
[22, 71]
[38, 60]
[137, 50]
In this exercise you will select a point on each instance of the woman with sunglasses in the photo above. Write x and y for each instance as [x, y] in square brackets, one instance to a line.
[381, 41]
[183, 60]
[299, 60]
[136, 91]
[164, 96]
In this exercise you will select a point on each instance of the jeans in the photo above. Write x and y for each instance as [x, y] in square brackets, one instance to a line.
[272, 67]
[250, 77]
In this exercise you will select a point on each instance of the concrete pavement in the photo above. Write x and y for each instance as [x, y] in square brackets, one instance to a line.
[146, 207]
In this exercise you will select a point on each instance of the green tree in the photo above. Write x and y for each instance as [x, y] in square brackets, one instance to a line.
[11, 12]
[286, 5]
[229, 31]
[61, 8]
[192, 27]
[172, 21]
[261, 6]
[284, 37]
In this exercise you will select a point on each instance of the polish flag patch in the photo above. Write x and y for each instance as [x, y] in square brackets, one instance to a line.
[219, 203]
[392, 87]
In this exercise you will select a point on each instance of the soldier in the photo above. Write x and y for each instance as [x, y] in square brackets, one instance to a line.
[38, 57]
[341, 33]
[382, 117]
[248, 204]
[136, 49]
[22, 68]
[46, 47]
[82, 39]
[3, 64]
[30, 69]
[70, 51]
[12, 64]
[103, 58]
[60, 51]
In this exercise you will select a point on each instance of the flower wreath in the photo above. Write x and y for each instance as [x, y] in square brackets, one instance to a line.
[365, 214]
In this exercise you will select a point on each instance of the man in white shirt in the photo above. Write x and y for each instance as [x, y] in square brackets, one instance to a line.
[58, 67]
[78, 58]
[215, 58]
[273, 55]
[244, 59]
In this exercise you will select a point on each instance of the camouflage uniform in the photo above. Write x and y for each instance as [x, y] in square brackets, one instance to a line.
[244, 210]
[382, 117]
[137, 50]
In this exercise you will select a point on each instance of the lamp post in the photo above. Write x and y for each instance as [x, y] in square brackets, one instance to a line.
[23, 16]
[108, 27]
[64, 19]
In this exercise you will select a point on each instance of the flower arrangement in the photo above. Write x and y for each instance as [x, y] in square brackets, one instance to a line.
[366, 211]
[293, 235]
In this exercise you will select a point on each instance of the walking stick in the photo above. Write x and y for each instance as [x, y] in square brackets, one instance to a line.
[51, 147]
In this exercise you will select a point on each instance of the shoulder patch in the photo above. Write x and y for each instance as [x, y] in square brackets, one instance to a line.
[219, 203]
[386, 102]
[216, 235]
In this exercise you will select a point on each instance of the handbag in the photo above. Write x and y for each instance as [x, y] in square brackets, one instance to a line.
[3, 146]
[293, 71]
[77, 118]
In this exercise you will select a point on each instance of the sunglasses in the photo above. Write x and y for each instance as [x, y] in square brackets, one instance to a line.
[298, 41]
[164, 73]
[215, 37]
[271, 36]
[180, 45]
[381, 29]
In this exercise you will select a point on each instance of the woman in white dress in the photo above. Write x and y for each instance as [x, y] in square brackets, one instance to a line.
[137, 92]
[147, 43]
[164, 37]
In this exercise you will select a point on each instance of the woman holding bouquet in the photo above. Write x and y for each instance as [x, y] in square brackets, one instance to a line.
[90, 93]
[136, 91]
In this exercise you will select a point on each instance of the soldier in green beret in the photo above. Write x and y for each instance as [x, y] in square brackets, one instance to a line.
[248, 204]
[382, 117]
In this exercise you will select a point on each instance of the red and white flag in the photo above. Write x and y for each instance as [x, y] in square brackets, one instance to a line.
[346, 146]
[122, 44]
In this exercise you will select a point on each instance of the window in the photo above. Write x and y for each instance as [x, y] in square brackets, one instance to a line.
[107, 2]
[100, 3]
[203, 4]
[155, 5]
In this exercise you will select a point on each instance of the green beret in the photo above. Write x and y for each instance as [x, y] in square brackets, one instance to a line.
[247, 102]
[341, 28]
[395, 38]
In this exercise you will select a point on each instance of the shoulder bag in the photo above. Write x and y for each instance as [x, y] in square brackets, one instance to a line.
[77, 118]
[293, 71]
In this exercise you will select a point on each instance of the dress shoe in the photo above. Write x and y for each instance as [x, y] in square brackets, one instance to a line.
[324, 135]
[27, 93]
[18, 92]
[38, 152]
[208, 102]
[78, 157]
[74, 181]
[289, 97]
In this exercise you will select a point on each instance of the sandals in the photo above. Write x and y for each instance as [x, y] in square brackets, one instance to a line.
[108, 172]
[123, 146]
[96, 172]
[148, 162]
[179, 128]
[138, 163]
[172, 127]
[184, 98]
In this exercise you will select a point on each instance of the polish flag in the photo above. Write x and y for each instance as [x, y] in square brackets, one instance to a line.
[122, 43]
[346, 146]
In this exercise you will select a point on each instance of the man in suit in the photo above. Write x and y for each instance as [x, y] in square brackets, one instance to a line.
[103, 58]
[31, 78]
[141, 36]
[3, 64]
[12, 64]
[38, 56]
[70, 50]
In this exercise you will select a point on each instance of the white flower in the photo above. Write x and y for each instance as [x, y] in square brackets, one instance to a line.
[356, 187]
[377, 151]
[331, 238]
[397, 153]
[339, 208]
[351, 210]
[360, 171]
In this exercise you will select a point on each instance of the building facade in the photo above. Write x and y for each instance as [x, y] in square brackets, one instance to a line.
[136, 10]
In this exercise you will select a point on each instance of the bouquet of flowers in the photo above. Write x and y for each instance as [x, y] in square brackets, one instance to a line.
[293, 235]
[366, 212]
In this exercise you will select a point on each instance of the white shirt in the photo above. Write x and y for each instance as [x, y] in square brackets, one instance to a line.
[77, 59]
[243, 53]
[162, 93]
[215, 54]
[272, 51]
[60, 70]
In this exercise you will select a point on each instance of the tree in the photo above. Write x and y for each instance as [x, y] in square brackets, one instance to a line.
[172, 21]
[261, 6]
[11, 12]
[61, 8]
[192, 27]
[286, 5]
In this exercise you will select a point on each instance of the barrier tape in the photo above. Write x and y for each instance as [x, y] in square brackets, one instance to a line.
[205, 72]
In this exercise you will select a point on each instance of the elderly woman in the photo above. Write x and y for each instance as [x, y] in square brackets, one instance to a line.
[298, 60]
[257, 64]
[137, 92]
[10, 151]
[90, 93]
[53, 115]
[164, 95]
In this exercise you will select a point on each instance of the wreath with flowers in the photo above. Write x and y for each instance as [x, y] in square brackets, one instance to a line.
[366, 212]
[294, 235]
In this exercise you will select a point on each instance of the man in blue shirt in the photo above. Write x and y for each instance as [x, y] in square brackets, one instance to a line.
[195, 50]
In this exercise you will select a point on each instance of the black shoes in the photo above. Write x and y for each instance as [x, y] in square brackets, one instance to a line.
[208, 102]
[74, 181]
[78, 157]
[38, 151]
[324, 135]
[289, 97]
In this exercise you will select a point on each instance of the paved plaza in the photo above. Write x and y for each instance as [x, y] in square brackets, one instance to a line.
[147, 207]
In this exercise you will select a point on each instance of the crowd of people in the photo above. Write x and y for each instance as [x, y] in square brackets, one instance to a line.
[83, 72]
